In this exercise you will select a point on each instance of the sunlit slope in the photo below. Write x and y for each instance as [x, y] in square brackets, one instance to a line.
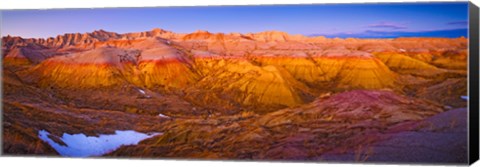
[407, 65]
[103, 67]
[166, 67]
[301, 68]
[234, 71]
[349, 72]
[108, 67]
[244, 83]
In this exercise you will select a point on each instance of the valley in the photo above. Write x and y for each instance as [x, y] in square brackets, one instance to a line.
[261, 96]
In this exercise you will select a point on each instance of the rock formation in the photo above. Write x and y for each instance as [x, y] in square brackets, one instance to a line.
[266, 96]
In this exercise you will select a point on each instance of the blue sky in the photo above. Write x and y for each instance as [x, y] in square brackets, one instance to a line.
[342, 20]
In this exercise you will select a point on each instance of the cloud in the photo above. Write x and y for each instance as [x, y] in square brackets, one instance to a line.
[463, 23]
[388, 25]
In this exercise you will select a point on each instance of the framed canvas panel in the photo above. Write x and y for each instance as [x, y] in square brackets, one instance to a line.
[392, 83]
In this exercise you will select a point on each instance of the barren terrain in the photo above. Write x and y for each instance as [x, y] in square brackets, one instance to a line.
[261, 96]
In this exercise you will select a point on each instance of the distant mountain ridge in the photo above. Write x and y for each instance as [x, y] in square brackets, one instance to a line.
[452, 33]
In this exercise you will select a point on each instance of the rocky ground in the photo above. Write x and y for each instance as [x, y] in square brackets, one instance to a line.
[440, 139]
[262, 96]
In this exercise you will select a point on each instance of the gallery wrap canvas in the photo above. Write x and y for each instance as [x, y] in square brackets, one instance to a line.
[355, 83]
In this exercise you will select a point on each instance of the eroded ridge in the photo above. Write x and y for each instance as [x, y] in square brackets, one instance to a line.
[267, 95]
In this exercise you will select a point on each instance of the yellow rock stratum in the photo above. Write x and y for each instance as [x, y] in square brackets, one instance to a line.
[232, 71]
[356, 73]
[107, 67]
[166, 67]
[301, 68]
[246, 84]
[102, 67]
[405, 64]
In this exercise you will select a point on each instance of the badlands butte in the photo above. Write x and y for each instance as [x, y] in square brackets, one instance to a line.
[267, 95]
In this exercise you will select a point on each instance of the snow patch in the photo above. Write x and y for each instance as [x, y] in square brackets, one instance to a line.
[141, 91]
[163, 116]
[80, 145]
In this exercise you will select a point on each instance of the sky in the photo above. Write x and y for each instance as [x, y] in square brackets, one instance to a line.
[331, 20]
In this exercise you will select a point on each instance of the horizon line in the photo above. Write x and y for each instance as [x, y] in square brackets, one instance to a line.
[341, 35]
